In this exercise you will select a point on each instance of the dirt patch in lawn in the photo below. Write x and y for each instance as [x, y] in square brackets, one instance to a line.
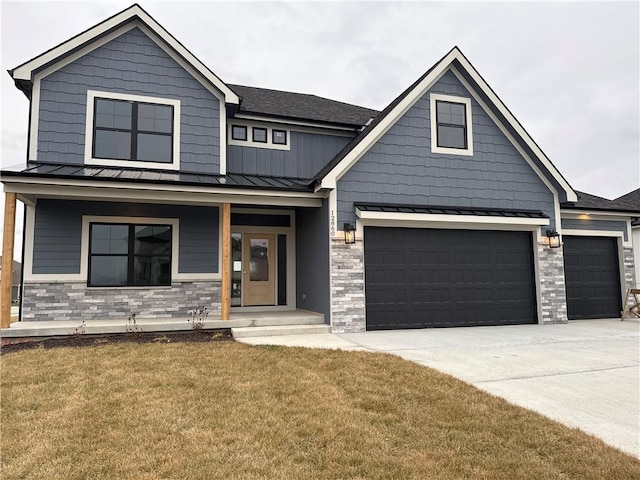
[216, 335]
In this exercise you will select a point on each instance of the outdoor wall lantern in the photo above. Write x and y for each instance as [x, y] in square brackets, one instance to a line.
[554, 239]
[349, 233]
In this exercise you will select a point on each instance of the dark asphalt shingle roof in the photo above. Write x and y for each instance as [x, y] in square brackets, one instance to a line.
[632, 199]
[587, 201]
[230, 180]
[449, 210]
[300, 106]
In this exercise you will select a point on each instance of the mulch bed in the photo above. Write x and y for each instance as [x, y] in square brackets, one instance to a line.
[84, 340]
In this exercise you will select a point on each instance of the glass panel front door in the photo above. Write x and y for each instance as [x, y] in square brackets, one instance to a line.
[258, 269]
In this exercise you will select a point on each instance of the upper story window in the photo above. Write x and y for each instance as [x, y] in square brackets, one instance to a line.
[279, 137]
[239, 132]
[132, 131]
[261, 136]
[451, 128]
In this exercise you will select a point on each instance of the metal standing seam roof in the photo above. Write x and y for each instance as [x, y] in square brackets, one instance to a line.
[300, 106]
[230, 180]
[449, 210]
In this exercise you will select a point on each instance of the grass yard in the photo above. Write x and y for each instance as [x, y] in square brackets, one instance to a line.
[226, 410]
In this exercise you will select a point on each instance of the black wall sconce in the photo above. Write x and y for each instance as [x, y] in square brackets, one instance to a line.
[349, 233]
[553, 238]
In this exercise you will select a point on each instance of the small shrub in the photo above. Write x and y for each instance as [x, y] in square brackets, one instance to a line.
[197, 317]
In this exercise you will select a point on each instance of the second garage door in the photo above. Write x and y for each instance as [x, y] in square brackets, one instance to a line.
[592, 277]
[417, 278]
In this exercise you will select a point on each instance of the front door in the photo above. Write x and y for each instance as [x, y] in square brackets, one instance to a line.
[258, 269]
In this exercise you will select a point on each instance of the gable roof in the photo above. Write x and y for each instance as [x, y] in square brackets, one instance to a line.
[300, 106]
[587, 201]
[631, 198]
[458, 63]
[23, 74]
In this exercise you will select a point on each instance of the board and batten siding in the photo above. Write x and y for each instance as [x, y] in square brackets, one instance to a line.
[309, 152]
[600, 225]
[401, 169]
[130, 64]
[58, 233]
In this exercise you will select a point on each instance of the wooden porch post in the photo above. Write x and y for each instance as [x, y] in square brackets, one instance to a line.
[7, 258]
[226, 261]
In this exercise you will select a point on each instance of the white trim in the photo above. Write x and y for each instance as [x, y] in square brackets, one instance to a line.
[309, 127]
[157, 193]
[571, 194]
[595, 214]
[35, 120]
[29, 235]
[435, 97]
[330, 179]
[25, 71]
[249, 141]
[88, 144]
[537, 277]
[460, 219]
[600, 233]
[516, 145]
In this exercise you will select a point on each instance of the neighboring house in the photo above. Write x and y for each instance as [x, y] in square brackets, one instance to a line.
[633, 200]
[145, 170]
[16, 279]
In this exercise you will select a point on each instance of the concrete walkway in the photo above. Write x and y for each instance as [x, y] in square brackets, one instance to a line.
[585, 374]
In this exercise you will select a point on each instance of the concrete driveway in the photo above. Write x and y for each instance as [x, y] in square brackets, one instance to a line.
[585, 374]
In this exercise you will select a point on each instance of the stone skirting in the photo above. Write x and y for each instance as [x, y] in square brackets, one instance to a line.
[553, 297]
[75, 301]
[347, 287]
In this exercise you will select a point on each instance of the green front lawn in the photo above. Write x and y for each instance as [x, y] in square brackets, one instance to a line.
[226, 410]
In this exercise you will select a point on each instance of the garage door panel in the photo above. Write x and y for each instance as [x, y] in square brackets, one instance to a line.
[450, 278]
[592, 277]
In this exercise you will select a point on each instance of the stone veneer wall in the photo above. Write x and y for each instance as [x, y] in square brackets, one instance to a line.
[347, 287]
[629, 269]
[74, 301]
[553, 296]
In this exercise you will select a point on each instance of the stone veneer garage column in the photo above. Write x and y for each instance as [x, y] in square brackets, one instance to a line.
[347, 286]
[553, 295]
[629, 269]
[74, 301]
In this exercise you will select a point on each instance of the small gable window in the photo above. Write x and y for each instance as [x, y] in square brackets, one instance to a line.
[259, 135]
[279, 137]
[239, 133]
[451, 125]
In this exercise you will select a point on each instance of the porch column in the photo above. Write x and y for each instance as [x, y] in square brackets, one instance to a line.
[225, 294]
[7, 258]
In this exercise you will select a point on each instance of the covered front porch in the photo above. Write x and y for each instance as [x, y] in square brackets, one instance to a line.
[98, 253]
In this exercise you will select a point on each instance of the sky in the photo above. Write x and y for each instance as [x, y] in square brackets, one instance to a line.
[568, 71]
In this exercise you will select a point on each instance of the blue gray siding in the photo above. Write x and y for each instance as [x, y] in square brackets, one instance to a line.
[58, 232]
[312, 259]
[130, 64]
[400, 167]
[600, 225]
[308, 154]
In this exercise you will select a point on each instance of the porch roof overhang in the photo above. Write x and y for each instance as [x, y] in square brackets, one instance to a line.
[148, 186]
[439, 214]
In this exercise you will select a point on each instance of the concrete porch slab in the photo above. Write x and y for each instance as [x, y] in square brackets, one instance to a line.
[108, 326]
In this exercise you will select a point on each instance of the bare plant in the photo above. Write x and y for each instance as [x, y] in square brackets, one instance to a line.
[197, 317]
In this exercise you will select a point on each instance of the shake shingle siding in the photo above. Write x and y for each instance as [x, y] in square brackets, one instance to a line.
[401, 169]
[130, 64]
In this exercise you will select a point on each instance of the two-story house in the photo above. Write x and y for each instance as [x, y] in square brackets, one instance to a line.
[153, 187]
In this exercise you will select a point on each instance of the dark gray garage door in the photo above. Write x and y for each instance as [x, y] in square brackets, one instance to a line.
[592, 277]
[417, 278]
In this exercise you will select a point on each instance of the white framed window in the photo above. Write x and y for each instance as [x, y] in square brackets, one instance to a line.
[250, 134]
[451, 125]
[125, 130]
